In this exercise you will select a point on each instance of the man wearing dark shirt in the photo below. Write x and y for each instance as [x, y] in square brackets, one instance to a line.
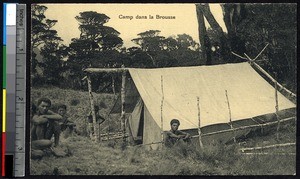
[175, 135]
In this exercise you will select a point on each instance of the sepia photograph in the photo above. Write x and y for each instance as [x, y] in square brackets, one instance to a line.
[163, 89]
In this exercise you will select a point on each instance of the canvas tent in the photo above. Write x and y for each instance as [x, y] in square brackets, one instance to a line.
[251, 98]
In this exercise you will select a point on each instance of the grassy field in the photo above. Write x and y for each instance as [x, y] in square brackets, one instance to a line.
[110, 158]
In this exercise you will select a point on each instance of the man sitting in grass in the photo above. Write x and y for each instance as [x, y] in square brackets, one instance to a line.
[66, 125]
[41, 117]
[175, 136]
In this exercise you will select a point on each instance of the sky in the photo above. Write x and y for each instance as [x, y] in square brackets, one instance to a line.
[185, 19]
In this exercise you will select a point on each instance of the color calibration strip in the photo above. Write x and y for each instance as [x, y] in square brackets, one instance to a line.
[13, 116]
[3, 94]
[9, 53]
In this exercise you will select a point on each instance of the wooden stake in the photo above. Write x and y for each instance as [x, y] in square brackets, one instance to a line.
[199, 129]
[161, 109]
[95, 126]
[230, 122]
[113, 85]
[276, 112]
[123, 127]
[108, 128]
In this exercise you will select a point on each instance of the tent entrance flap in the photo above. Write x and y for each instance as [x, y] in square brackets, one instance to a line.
[131, 98]
[136, 121]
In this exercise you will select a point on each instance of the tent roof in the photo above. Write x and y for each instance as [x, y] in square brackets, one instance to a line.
[249, 94]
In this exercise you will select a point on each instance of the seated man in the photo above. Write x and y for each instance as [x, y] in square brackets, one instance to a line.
[174, 135]
[66, 125]
[39, 126]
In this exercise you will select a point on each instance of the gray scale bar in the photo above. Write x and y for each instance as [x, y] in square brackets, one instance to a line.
[10, 138]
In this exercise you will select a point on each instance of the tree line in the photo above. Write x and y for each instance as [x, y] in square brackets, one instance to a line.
[249, 26]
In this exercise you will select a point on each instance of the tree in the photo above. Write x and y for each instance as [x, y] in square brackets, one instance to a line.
[203, 38]
[234, 14]
[97, 46]
[159, 51]
[46, 40]
[224, 47]
[52, 63]
[275, 24]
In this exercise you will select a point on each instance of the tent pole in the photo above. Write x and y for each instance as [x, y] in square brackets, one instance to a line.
[113, 85]
[199, 130]
[95, 126]
[108, 129]
[271, 78]
[123, 106]
[276, 108]
[230, 122]
[161, 110]
[253, 64]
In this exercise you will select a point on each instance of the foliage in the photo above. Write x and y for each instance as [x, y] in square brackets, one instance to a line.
[275, 24]
[97, 46]
[50, 48]
[159, 51]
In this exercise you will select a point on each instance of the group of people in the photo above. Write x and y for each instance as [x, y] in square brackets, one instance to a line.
[45, 124]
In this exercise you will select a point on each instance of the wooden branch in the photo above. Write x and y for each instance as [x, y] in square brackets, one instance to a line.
[113, 85]
[84, 78]
[249, 59]
[268, 147]
[230, 122]
[161, 108]
[239, 56]
[276, 109]
[112, 138]
[268, 153]
[256, 66]
[148, 143]
[123, 127]
[260, 52]
[273, 80]
[199, 129]
[95, 126]
[106, 70]
[108, 129]
[113, 133]
[245, 127]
